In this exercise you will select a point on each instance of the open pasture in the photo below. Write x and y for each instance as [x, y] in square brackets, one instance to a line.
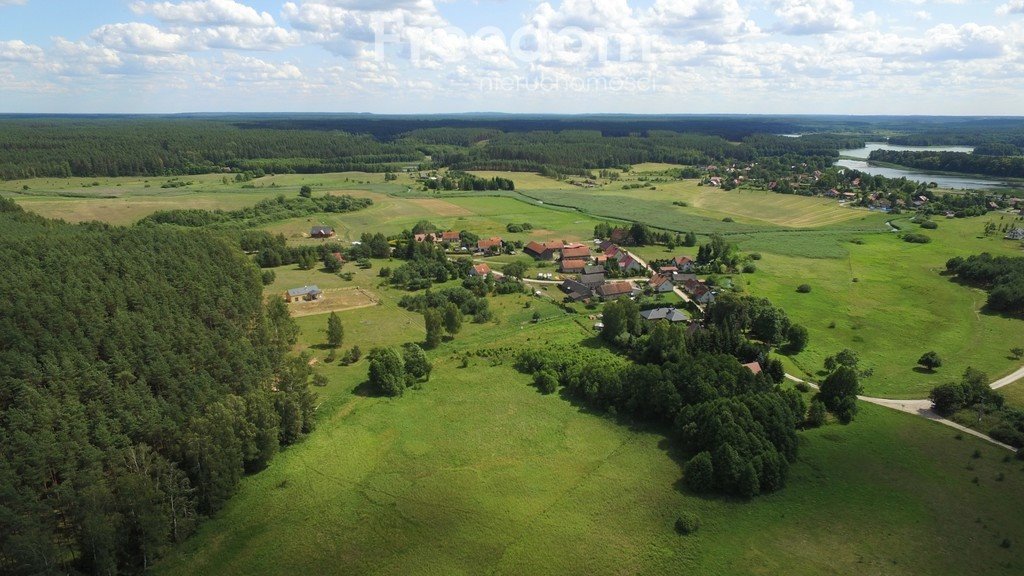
[477, 472]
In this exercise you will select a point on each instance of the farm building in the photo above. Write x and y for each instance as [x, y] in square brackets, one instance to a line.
[592, 280]
[321, 232]
[575, 252]
[614, 290]
[573, 266]
[1015, 234]
[754, 367]
[670, 314]
[304, 294]
[451, 236]
[543, 251]
[576, 291]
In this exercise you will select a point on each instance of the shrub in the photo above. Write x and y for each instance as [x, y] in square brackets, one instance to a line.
[804, 288]
[1007, 435]
[727, 219]
[749, 268]
[816, 414]
[917, 238]
[755, 256]
[929, 225]
[546, 381]
[688, 523]
[803, 387]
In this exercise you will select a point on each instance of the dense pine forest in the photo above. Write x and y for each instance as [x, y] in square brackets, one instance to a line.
[141, 375]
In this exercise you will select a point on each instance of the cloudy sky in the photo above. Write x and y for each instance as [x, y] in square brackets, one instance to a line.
[559, 56]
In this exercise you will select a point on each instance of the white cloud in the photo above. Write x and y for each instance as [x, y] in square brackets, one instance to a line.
[815, 16]
[18, 51]
[1011, 7]
[711, 21]
[138, 38]
[12, 2]
[218, 12]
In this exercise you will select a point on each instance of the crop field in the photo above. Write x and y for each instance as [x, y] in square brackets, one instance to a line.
[477, 472]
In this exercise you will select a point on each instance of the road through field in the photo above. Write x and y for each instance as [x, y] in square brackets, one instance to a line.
[923, 407]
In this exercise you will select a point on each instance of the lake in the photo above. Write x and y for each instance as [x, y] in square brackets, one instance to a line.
[856, 159]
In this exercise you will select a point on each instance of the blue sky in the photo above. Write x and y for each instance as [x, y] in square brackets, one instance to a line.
[558, 56]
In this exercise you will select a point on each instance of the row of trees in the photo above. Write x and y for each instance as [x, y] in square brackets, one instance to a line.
[263, 212]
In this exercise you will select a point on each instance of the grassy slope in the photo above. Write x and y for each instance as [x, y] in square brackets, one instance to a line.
[478, 473]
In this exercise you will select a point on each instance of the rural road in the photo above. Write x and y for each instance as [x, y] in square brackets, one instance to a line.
[923, 408]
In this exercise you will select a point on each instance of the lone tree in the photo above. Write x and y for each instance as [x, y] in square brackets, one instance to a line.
[452, 318]
[1017, 352]
[435, 328]
[930, 360]
[335, 331]
[846, 357]
[306, 191]
[798, 337]
[417, 366]
[387, 372]
[515, 270]
[839, 393]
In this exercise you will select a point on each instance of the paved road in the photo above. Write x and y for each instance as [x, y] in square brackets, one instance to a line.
[923, 408]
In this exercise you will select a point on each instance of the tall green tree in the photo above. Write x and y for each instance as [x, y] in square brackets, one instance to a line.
[387, 371]
[452, 318]
[417, 365]
[839, 393]
[335, 331]
[435, 328]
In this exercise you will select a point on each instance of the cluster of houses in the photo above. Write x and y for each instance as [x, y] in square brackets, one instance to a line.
[492, 245]
[590, 269]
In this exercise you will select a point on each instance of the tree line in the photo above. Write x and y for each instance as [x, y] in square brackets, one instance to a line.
[1002, 276]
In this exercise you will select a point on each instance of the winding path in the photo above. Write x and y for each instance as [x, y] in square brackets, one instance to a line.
[923, 408]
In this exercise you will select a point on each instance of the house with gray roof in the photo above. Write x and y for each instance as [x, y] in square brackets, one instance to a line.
[671, 314]
[306, 293]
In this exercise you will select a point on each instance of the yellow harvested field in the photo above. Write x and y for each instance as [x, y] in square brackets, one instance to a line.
[441, 207]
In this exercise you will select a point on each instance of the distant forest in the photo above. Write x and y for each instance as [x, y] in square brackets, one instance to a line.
[107, 146]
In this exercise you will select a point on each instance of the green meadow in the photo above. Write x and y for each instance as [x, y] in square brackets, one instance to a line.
[477, 472]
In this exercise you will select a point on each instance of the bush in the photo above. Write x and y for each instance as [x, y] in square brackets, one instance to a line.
[749, 268]
[803, 387]
[929, 225]
[917, 238]
[688, 523]
[755, 256]
[1007, 435]
[804, 288]
[816, 414]
[268, 277]
[546, 381]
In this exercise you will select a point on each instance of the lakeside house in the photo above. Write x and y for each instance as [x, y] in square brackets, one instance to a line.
[321, 232]
[304, 294]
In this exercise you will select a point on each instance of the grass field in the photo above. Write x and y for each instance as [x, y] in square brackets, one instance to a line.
[479, 473]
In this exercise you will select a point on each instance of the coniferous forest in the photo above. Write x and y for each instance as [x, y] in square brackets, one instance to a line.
[142, 376]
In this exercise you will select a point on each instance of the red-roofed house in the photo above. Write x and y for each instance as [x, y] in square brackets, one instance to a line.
[451, 236]
[490, 245]
[613, 290]
[629, 264]
[574, 252]
[754, 367]
[480, 270]
[684, 263]
[573, 266]
[542, 251]
[661, 284]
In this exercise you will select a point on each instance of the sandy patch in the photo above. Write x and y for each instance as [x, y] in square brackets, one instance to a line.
[335, 300]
